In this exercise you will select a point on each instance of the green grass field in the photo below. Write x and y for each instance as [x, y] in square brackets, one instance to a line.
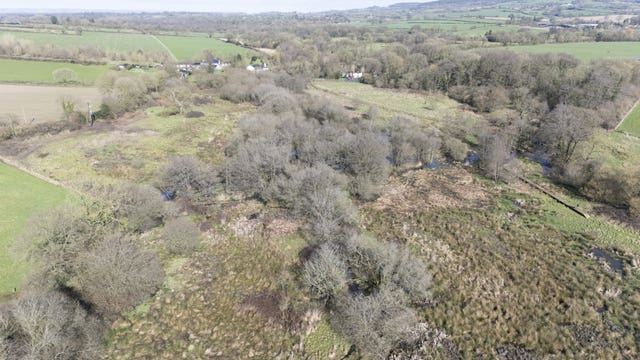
[631, 123]
[23, 71]
[104, 40]
[584, 50]
[22, 196]
[183, 47]
[431, 108]
[464, 25]
[445, 24]
[467, 28]
[482, 30]
[188, 48]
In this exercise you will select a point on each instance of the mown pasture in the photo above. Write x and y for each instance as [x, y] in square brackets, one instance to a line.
[584, 50]
[631, 123]
[182, 47]
[188, 48]
[26, 71]
[109, 41]
[22, 196]
[32, 104]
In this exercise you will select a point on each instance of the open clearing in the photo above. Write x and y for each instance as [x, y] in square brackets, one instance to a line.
[631, 123]
[431, 108]
[32, 104]
[22, 196]
[134, 150]
[584, 50]
[26, 71]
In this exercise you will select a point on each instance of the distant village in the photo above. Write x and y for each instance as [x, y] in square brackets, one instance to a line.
[185, 69]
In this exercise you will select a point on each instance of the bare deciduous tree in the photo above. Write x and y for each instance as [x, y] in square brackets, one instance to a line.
[256, 166]
[179, 93]
[181, 236]
[55, 239]
[375, 323]
[325, 274]
[64, 75]
[138, 207]
[116, 274]
[564, 129]
[365, 160]
[48, 325]
[188, 178]
[496, 155]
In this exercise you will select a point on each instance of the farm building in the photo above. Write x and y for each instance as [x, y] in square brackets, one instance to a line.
[258, 67]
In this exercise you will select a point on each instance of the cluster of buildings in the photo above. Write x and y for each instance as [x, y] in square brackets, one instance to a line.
[258, 67]
[355, 73]
[351, 75]
[186, 69]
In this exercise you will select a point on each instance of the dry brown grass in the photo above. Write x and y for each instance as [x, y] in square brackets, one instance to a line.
[504, 279]
[234, 299]
[446, 188]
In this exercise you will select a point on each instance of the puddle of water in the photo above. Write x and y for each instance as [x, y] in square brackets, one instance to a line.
[471, 158]
[435, 164]
[542, 159]
[168, 195]
[603, 309]
[614, 262]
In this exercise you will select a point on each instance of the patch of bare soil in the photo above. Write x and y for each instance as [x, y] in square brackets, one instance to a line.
[427, 189]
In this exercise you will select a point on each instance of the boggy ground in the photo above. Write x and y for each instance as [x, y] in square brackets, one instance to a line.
[507, 282]
[236, 298]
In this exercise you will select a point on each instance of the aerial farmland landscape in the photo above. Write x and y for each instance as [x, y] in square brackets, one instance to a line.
[366, 179]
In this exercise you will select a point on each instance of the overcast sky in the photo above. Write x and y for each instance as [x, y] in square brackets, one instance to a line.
[250, 6]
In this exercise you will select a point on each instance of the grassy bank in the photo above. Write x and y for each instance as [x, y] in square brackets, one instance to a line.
[631, 123]
[22, 196]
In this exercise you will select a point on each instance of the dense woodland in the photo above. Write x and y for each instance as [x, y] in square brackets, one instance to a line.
[312, 159]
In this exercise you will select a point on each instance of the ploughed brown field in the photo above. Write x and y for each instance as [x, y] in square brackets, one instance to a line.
[41, 103]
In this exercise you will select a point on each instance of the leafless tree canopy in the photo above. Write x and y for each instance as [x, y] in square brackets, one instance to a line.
[48, 325]
[116, 274]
